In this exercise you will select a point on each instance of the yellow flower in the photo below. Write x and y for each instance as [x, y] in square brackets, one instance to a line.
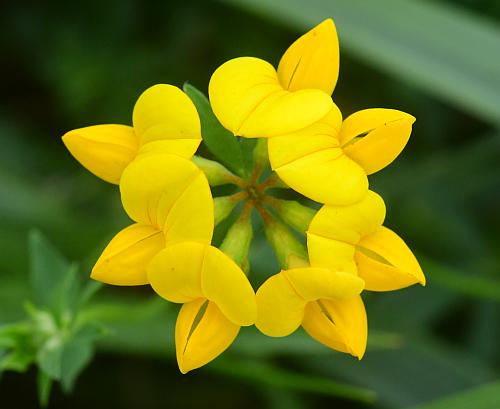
[352, 239]
[329, 161]
[164, 120]
[169, 200]
[325, 302]
[251, 99]
[217, 296]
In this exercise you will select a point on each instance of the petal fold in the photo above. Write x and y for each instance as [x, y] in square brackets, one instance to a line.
[317, 283]
[126, 257]
[335, 230]
[375, 137]
[248, 99]
[349, 223]
[170, 193]
[186, 271]
[319, 136]
[175, 272]
[339, 324]
[202, 333]
[386, 263]
[224, 283]
[312, 61]
[105, 150]
[164, 113]
[280, 309]
[327, 176]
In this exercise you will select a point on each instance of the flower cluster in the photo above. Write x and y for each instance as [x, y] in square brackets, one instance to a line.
[312, 150]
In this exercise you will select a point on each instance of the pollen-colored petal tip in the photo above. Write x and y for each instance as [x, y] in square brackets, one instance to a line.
[386, 263]
[125, 259]
[312, 61]
[374, 138]
[104, 150]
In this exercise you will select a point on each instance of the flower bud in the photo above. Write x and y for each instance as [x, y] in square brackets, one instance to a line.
[216, 173]
[293, 213]
[237, 241]
[283, 241]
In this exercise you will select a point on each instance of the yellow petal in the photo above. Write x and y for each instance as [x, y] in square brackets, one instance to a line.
[319, 136]
[315, 283]
[126, 257]
[312, 61]
[339, 324]
[192, 215]
[181, 147]
[326, 176]
[375, 137]
[386, 263]
[105, 150]
[202, 333]
[247, 98]
[224, 283]
[279, 308]
[175, 272]
[185, 271]
[169, 192]
[349, 223]
[331, 254]
[335, 230]
[164, 112]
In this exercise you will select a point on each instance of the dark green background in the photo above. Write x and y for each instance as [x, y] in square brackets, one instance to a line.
[70, 64]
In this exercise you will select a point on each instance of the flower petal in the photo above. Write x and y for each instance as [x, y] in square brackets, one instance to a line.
[312, 61]
[185, 271]
[349, 223]
[335, 230]
[279, 308]
[105, 150]
[164, 112]
[319, 136]
[224, 283]
[181, 147]
[386, 263]
[315, 283]
[248, 99]
[339, 324]
[126, 257]
[175, 272]
[171, 193]
[327, 176]
[331, 254]
[387, 132]
[201, 336]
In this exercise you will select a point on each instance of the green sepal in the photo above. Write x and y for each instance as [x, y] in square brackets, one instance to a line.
[218, 140]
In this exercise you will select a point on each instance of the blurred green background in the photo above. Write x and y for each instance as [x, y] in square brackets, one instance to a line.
[71, 64]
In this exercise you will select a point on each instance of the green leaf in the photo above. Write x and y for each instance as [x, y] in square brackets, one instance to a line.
[482, 397]
[442, 49]
[54, 280]
[17, 360]
[20, 350]
[219, 141]
[49, 357]
[261, 373]
[466, 284]
[44, 386]
[75, 357]
[48, 268]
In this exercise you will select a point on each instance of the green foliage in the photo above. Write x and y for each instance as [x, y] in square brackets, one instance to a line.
[426, 345]
[219, 141]
[482, 397]
[422, 42]
[53, 337]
